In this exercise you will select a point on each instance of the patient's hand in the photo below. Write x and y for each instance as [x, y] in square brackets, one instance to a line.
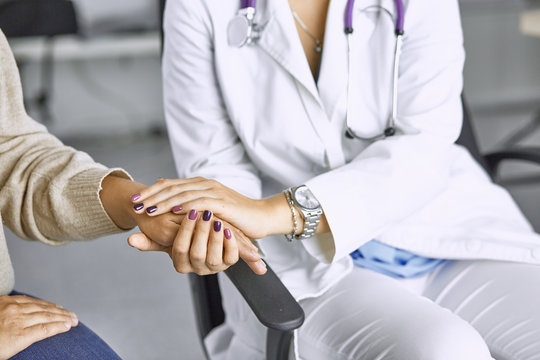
[25, 320]
[204, 244]
[164, 232]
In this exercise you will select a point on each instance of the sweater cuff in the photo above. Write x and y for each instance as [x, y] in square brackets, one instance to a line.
[86, 187]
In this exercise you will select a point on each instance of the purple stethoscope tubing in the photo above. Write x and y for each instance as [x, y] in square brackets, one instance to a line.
[399, 31]
[249, 3]
[248, 9]
[400, 15]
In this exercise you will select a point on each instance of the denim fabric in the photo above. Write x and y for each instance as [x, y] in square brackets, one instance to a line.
[79, 343]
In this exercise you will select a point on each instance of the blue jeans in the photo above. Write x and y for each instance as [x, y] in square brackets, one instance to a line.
[79, 343]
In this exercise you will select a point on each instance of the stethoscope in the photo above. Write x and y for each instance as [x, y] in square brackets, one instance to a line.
[243, 30]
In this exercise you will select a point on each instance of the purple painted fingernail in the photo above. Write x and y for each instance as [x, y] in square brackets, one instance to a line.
[193, 214]
[138, 207]
[135, 197]
[217, 226]
[151, 209]
[206, 215]
[228, 234]
[177, 208]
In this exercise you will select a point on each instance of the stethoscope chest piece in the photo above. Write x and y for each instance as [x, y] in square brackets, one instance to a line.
[242, 29]
[239, 31]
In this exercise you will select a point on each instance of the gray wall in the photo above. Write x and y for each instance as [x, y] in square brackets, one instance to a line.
[121, 93]
[503, 65]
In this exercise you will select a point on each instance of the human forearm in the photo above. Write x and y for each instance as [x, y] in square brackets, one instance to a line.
[256, 218]
[115, 196]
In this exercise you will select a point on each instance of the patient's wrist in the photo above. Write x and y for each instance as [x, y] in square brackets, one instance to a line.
[115, 196]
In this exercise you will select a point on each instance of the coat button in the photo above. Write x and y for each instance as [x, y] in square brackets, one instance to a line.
[536, 253]
[473, 245]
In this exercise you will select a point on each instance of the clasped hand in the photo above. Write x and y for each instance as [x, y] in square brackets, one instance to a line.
[255, 218]
[196, 240]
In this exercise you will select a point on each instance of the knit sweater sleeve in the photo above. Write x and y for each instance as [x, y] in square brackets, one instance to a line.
[48, 191]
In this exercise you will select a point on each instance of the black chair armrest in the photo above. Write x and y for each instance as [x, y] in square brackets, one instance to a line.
[267, 297]
[494, 159]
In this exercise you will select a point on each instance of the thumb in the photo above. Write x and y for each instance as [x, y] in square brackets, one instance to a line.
[258, 267]
[143, 243]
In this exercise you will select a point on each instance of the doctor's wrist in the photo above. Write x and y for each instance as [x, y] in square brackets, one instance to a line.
[279, 218]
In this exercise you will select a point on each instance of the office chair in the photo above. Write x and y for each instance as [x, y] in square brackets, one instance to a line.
[267, 296]
[25, 18]
[269, 299]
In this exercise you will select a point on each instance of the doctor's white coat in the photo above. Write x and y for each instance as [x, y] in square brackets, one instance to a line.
[255, 119]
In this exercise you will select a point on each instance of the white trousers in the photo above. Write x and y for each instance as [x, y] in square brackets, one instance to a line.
[464, 310]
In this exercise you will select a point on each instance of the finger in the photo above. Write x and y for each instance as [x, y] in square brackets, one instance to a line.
[143, 243]
[147, 199]
[214, 255]
[182, 243]
[205, 201]
[22, 299]
[246, 250]
[198, 250]
[27, 308]
[258, 267]
[230, 248]
[241, 237]
[42, 331]
[41, 317]
[250, 253]
[159, 186]
[175, 199]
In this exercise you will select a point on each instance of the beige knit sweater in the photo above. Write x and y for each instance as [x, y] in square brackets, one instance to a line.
[48, 191]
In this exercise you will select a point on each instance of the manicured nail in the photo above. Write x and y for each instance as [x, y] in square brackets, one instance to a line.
[67, 325]
[177, 208]
[151, 209]
[193, 214]
[217, 226]
[206, 215]
[262, 263]
[138, 207]
[135, 197]
[74, 318]
[228, 234]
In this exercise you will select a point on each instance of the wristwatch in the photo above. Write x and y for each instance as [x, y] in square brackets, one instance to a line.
[310, 208]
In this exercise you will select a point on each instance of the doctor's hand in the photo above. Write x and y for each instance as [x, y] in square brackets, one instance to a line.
[204, 245]
[115, 196]
[255, 218]
[25, 320]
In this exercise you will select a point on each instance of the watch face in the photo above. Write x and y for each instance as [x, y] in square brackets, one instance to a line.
[305, 198]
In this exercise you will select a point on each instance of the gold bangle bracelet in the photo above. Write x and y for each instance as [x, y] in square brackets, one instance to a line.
[292, 235]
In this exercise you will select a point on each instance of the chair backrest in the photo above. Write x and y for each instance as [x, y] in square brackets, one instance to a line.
[468, 139]
[37, 18]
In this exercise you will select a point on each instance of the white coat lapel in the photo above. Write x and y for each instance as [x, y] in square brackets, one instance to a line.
[280, 40]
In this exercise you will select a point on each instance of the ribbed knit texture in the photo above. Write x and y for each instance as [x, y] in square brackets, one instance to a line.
[48, 191]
